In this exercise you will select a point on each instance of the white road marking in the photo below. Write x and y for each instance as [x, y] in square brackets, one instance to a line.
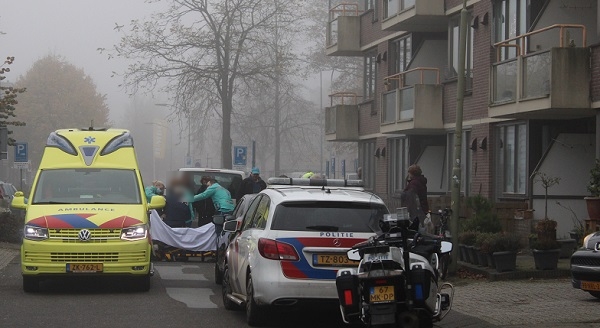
[168, 272]
[195, 298]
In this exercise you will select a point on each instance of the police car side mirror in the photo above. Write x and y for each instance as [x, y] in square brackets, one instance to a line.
[231, 226]
[18, 201]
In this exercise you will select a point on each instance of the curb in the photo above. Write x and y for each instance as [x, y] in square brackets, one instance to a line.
[492, 275]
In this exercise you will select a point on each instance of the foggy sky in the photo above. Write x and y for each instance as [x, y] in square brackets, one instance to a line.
[74, 29]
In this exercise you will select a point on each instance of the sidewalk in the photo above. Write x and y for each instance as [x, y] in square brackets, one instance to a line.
[530, 303]
[7, 253]
[525, 270]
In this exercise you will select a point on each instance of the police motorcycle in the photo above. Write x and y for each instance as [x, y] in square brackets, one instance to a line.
[397, 282]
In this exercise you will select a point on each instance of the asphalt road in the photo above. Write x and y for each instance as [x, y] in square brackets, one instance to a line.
[182, 295]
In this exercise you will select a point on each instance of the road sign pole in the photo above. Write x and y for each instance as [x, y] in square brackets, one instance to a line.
[21, 178]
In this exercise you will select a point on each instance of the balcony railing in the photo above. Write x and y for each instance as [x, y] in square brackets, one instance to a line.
[524, 75]
[399, 103]
[393, 7]
[343, 10]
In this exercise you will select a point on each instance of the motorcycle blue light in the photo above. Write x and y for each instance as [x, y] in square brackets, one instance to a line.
[419, 292]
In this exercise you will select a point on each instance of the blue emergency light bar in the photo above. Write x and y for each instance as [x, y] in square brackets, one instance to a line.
[315, 182]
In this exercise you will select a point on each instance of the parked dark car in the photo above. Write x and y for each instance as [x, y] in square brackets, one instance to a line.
[224, 237]
[585, 266]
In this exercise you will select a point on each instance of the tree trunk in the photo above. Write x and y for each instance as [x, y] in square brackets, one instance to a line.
[226, 156]
[277, 102]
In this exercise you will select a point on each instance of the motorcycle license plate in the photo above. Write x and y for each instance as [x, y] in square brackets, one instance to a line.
[380, 294]
[590, 285]
[333, 260]
[85, 267]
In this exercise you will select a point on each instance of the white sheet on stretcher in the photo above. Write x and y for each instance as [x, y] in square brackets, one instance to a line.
[199, 239]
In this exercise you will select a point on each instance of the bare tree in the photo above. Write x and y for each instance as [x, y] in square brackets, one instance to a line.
[206, 51]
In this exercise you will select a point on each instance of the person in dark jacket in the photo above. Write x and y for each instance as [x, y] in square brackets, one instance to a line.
[417, 183]
[252, 184]
[178, 214]
[205, 209]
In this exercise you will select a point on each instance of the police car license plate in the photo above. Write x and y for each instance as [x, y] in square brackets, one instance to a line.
[85, 267]
[590, 285]
[382, 294]
[333, 260]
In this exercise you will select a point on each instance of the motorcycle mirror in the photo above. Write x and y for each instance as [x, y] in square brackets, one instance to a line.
[446, 247]
[353, 255]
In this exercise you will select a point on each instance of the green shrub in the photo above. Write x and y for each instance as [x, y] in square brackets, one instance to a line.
[483, 219]
[546, 244]
[11, 228]
[504, 242]
[467, 238]
[483, 242]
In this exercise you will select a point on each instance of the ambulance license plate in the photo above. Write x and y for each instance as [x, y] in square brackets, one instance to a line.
[380, 294]
[590, 285]
[333, 260]
[85, 267]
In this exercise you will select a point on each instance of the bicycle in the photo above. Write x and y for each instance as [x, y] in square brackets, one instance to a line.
[442, 230]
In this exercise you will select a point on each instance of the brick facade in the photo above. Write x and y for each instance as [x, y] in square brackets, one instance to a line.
[595, 85]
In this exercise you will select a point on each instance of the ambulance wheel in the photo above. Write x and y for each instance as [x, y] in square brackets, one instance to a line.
[142, 283]
[255, 314]
[31, 284]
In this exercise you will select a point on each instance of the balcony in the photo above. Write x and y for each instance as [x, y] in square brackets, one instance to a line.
[343, 31]
[545, 84]
[414, 16]
[413, 105]
[341, 119]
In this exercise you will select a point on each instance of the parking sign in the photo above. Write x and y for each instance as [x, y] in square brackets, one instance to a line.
[21, 155]
[240, 154]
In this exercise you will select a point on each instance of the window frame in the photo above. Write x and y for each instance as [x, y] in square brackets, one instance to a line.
[501, 153]
[398, 163]
[407, 53]
[454, 23]
[370, 75]
[249, 216]
[368, 163]
[501, 31]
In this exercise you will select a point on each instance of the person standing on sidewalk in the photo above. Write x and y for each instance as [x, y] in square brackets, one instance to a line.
[252, 184]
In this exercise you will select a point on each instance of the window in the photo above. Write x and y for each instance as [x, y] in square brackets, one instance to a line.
[367, 162]
[370, 75]
[87, 186]
[371, 4]
[398, 150]
[250, 214]
[453, 53]
[512, 159]
[259, 219]
[510, 20]
[402, 54]
[465, 168]
[328, 216]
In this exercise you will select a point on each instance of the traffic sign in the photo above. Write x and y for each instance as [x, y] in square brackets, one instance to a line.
[21, 155]
[240, 155]
[22, 165]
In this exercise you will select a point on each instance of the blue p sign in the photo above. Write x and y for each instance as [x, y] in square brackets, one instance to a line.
[21, 152]
[240, 155]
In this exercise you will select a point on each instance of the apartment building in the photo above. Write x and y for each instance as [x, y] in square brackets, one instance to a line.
[531, 101]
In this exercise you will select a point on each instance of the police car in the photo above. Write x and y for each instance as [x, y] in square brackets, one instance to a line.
[292, 241]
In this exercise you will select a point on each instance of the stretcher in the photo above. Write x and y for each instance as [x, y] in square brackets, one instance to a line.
[181, 244]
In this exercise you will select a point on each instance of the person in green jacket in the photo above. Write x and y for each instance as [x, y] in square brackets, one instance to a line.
[220, 196]
[156, 189]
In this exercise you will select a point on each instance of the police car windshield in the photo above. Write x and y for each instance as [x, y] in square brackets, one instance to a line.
[87, 186]
[330, 216]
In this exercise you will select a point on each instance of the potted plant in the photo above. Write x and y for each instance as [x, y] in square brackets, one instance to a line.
[467, 240]
[545, 254]
[505, 250]
[593, 202]
[546, 228]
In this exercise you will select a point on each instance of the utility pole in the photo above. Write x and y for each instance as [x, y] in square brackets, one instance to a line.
[325, 114]
[277, 90]
[456, 176]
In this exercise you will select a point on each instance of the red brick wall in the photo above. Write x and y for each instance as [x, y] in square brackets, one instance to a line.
[370, 31]
[595, 73]
[367, 122]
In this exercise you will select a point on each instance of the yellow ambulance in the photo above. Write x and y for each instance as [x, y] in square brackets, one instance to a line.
[87, 213]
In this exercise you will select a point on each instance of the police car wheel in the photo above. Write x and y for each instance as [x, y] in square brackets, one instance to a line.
[255, 314]
[31, 284]
[225, 290]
